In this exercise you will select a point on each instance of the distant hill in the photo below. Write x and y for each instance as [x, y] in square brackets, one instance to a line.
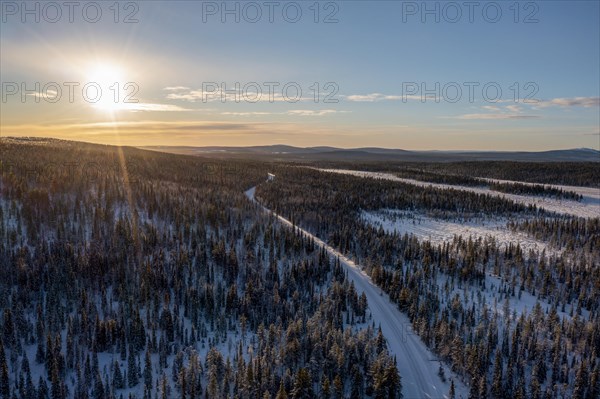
[286, 152]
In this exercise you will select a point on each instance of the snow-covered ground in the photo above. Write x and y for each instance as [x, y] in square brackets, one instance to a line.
[591, 194]
[588, 207]
[439, 231]
[416, 364]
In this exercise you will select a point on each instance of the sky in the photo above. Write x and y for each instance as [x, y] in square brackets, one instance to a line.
[444, 75]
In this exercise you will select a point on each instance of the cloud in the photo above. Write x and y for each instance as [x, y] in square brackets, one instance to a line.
[191, 96]
[308, 112]
[498, 113]
[48, 94]
[132, 128]
[247, 113]
[375, 97]
[586, 102]
[176, 88]
[514, 108]
[152, 132]
[294, 112]
[495, 116]
[233, 95]
[514, 111]
[492, 108]
[144, 107]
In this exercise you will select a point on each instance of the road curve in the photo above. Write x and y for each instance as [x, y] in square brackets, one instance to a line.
[418, 367]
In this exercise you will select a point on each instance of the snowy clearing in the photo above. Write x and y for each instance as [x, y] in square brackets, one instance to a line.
[587, 208]
[440, 231]
[589, 194]
[418, 367]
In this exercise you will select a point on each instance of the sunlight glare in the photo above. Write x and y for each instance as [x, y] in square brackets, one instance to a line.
[110, 79]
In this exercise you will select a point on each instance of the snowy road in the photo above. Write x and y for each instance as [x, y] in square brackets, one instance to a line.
[416, 364]
[587, 208]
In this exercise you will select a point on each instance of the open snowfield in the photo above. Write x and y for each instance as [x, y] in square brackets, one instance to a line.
[439, 231]
[416, 364]
[588, 207]
[589, 194]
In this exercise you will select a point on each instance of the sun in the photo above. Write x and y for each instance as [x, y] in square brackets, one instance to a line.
[106, 83]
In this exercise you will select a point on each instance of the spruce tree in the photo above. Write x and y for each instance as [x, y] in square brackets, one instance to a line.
[580, 384]
[452, 391]
[148, 371]
[118, 382]
[132, 370]
[497, 381]
[281, 393]
[302, 385]
[99, 392]
[4, 379]
[325, 388]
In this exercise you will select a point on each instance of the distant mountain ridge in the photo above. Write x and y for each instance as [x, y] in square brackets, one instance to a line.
[281, 151]
[327, 153]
